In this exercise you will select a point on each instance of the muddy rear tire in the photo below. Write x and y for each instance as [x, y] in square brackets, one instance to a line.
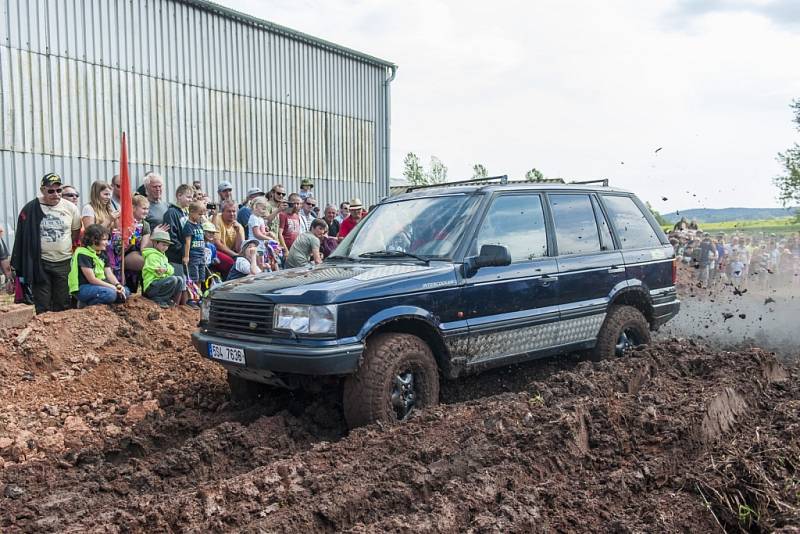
[244, 391]
[624, 328]
[399, 376]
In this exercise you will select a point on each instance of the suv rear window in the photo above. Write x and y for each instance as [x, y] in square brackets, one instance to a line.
[576, 227]
[633, 229]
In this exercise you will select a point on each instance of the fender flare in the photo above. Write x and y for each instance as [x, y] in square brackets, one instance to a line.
[394, 313]
[634, 288]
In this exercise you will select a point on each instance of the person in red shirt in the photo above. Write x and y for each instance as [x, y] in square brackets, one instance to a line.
[356, 213]
[290, 223]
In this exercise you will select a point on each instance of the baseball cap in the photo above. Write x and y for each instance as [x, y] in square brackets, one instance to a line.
[254, 191]
[208, 226]
[51, 178]
[224, 186]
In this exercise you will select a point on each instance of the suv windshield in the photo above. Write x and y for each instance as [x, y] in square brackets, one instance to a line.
[427, 228]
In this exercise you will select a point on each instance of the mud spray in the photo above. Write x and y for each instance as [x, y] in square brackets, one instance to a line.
[763, 313]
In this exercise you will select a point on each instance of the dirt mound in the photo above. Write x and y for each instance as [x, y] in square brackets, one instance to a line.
[676, 437]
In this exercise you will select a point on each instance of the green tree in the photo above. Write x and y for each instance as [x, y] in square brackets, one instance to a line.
[438, 172]
[534, 175]
[659, 218]
[479, 171]
[789, 182]
[412, 170]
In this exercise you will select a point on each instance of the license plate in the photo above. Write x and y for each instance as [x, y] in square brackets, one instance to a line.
[226, 354]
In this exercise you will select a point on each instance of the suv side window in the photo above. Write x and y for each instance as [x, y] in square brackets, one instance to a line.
[633, 229]
[575, 224]
[516, 221]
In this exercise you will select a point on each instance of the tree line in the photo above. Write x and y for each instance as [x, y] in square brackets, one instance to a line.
[416, 174]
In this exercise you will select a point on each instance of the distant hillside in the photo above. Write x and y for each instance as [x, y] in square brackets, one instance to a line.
[705, 215]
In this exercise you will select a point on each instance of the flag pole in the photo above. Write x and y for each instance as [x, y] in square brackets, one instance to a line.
[122, 162]
[126, 207]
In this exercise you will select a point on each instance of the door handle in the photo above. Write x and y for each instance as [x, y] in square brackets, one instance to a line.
[547, 279]
[615, 269]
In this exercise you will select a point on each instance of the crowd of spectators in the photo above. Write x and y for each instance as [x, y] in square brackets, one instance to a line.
[71, 254]
[760, 261]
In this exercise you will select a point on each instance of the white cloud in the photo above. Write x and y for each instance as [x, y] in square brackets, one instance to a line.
[575, 88]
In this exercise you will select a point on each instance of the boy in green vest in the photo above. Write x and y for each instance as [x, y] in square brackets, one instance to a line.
[90, 281]
[160, 284]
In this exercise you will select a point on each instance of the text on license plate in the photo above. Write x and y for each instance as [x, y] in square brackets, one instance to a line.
[227, 354]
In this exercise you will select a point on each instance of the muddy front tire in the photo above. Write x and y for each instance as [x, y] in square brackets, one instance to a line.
[399, 376]
[624, 328]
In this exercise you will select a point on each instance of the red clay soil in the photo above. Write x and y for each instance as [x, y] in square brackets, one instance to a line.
[109, 421]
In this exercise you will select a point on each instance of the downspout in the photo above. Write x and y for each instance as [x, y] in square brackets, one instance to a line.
[387, 110]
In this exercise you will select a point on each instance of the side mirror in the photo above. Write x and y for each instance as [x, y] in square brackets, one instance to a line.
[490, 256]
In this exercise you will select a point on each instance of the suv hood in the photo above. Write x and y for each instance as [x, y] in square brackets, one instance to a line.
[330, 283]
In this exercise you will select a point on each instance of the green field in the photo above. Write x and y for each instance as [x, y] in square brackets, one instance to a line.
[781, 226]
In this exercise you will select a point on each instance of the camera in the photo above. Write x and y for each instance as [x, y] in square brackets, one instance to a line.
[211, 206]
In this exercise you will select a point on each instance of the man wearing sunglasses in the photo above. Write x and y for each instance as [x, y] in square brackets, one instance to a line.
[290, 223]
[116, 192]
[307, 213]
[46, 228]
[275, 206]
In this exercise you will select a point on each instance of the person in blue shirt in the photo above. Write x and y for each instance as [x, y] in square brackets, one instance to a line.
[194, 245]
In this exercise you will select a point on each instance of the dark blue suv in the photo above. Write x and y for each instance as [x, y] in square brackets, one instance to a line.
[446, 281]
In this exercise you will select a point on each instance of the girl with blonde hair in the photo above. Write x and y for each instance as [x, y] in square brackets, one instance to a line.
[99, 209]
[256, 223]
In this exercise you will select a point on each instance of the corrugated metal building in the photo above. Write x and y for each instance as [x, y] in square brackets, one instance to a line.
[204, 93]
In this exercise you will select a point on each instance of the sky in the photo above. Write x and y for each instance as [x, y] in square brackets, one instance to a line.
[583, 90]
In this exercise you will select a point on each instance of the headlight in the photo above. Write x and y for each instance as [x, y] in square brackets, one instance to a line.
[205, 309]
[304, 319]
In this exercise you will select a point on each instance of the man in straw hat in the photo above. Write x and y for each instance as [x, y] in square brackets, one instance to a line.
[160, 283]
[356, 213]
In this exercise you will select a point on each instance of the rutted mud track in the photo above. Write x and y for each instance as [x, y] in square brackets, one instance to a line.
[133, 431]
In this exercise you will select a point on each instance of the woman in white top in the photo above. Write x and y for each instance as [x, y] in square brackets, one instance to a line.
[99, 209]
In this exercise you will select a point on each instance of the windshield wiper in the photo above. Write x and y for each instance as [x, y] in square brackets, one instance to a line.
[344, 258]
[392, 254]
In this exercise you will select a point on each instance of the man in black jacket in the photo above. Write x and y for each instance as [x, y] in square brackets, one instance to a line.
[46, 228]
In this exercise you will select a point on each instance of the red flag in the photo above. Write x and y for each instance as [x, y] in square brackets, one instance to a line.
[126, 215]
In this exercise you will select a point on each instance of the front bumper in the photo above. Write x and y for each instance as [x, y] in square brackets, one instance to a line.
[281, 358]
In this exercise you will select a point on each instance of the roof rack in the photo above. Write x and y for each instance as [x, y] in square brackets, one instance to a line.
[503, 179]
[602, 181]
[500, 180]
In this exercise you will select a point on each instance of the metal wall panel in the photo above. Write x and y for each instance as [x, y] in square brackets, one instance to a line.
[203, 92]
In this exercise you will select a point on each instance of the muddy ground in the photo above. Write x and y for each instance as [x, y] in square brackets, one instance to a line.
[109, 421]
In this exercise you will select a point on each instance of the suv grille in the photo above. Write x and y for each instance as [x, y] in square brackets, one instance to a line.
[253, 318]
